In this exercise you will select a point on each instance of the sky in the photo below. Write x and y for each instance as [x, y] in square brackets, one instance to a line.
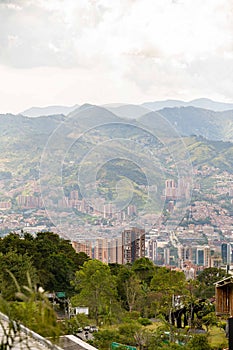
[55, 52]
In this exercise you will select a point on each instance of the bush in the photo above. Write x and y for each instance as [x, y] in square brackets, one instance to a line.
[144, 321]
[72, 325]
[198, 342]
[222, 324]
[104, 338]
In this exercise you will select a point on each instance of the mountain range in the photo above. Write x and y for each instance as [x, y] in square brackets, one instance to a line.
[199, 103]
[49, 110]
[94, 139]
[186, 121]
[22, 138]
[133, 110]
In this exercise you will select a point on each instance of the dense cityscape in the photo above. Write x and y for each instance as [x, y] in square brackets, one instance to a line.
[198, 241]
[116, 175]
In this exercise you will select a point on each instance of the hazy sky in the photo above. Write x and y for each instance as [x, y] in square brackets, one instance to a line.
[101, 51]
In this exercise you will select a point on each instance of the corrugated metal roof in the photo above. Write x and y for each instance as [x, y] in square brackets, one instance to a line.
[224, 281]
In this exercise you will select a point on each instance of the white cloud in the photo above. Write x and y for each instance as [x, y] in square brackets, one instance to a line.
[102, 51]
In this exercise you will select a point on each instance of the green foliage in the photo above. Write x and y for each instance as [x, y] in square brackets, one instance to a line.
[207, 278]
[198, 342]
[48, 257]
[133, 292]
[123, 274]
[166, 283]
[33, 310]
[144, 269]
[115, 294]
[167, 280]
[210, 319]
[72, 325]
[96, 287]
[128, 332]
[144, 321]
[104, 338]
[18, 265]
[211, 275]
[81, 258]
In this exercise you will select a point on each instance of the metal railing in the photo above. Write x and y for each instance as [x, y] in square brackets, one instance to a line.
[30, 334]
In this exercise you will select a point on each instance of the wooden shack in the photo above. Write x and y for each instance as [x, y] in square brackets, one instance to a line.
[224, 296]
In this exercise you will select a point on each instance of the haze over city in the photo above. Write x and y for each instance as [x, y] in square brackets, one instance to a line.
[116, 181]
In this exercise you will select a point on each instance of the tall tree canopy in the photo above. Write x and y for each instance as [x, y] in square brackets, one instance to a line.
[96, 287]
[17, 265]
[52, 257]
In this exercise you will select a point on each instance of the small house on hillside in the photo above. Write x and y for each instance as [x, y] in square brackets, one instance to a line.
[224, 296]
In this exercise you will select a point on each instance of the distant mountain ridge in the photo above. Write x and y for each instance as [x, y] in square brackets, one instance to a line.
[209, 124]
[186, 121]
[22, 139]
[132, 111]
[199, 103]
[49, 110]
[128, 110]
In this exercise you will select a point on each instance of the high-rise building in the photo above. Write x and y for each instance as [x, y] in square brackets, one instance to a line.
[197, 255]
[166, 256]
[133, 244]
[5, 205]
[101, 250]
[115, 250]
[108, 250]
[226, 252]
[184, 253]
[170, 189]
[132, 210]
[203, 256]
[29, 202]
[85, 247]
[109, 210]
[151, 250]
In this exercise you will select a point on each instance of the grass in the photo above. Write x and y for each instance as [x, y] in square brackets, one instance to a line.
[217, 338]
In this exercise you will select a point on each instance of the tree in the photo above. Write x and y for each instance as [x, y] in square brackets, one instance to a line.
[123, 274]
[191, 300]
[198, 342]
[167, 283]
[96, 287]
[104, 338]
[52, 256]
[73, 324]
[9, 242]
[133, 291]
[209, 320]
[207, 278]
[19, 266]
[81, 258]
[144, 269]
[129, 333]
[61, 270]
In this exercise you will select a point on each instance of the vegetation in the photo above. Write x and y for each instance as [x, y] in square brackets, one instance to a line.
[97, 289]
[142, 305]
[33, 310]
[50, 260]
